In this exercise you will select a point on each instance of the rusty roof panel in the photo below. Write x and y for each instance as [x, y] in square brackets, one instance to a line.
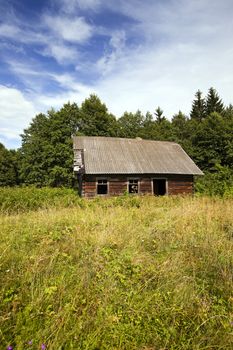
[110, 155]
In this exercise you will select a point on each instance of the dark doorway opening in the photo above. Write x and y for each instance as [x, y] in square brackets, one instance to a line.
[159, 186]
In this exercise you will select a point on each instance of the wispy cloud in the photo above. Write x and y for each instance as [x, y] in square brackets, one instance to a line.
[113, 54]
[8, 30]
[133, 54]
[55, 34]
[74, 29]
[62, 53]
[69, 6]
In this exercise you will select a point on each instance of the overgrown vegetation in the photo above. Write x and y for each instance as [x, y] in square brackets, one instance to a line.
[121, 273]
[46, 157]
[31, 198]
[216, 183]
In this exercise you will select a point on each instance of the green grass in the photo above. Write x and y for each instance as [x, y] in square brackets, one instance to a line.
[15, 200]
[124, 273]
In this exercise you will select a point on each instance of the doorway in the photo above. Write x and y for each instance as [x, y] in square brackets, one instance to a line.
[160, 187]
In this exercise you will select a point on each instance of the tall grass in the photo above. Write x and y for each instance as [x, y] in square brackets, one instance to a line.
[127, 273]
[15, 200]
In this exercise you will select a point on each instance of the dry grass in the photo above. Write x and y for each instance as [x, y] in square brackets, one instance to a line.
[125, 273]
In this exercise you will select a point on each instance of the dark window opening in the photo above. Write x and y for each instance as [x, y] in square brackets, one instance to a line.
[159, 187]
[133, 186]
[102, 187]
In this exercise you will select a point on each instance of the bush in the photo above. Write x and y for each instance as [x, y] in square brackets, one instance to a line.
[219, 182]
[14, 200]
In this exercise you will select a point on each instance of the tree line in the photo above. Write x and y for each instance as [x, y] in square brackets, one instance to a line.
[45, 157]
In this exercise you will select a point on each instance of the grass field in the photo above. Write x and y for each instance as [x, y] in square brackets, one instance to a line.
[125, 273]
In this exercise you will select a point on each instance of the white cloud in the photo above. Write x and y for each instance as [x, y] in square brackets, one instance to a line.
[63, 54]
[17, 33]
[69, 6]
[69, 29]
[113, 55]
[16, 113]
[8, 30]
[89, 4]
[55, 36]
[169, 79]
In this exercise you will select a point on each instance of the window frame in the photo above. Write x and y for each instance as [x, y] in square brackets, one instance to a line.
[133, 179]
[99, 179]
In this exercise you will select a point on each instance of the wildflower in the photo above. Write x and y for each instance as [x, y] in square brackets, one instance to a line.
[43, 347]
[30, 342]
[10, 347]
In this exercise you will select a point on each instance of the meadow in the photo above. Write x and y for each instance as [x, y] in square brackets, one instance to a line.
[122, 273]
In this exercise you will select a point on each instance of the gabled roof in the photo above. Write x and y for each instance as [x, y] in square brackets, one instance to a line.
[110, 155]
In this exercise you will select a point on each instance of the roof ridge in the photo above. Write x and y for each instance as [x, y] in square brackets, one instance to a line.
[125, 139]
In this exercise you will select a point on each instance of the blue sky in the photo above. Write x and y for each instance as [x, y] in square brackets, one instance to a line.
[133, 54]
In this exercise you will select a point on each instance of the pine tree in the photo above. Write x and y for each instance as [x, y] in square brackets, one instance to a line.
[159, 115]
[198, 111]
[179, 126]
[213, 102]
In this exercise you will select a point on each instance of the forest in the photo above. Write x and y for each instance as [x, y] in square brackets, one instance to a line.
[45, 157]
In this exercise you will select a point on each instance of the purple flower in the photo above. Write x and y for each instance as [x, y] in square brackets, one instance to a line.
[43, 347]
[30, 342]
[10, 347]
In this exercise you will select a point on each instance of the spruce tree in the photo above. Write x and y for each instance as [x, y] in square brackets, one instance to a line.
[159, 115]
[179, 126]
[163, 126]
[198, 111]
[213, 102]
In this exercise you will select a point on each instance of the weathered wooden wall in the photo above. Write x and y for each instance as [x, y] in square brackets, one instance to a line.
[118, 184]
[182, 184]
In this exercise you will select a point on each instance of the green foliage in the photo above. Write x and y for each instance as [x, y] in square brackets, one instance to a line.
[159, 115]
[130, 124]
[213, 142]
[213, 102]
[94, 119]
[8, 168]
[46, 155]
[46, 152]
[217, 182]
[155, 276]
[31, 198]
[198, 111]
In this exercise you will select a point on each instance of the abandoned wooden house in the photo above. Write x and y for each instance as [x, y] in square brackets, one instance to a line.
[109, 166]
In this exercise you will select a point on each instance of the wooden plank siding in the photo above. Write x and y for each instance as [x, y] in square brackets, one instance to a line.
[180, 184]
[118, 185]
[145, 185]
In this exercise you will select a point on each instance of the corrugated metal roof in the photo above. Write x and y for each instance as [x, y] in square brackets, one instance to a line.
[110, 155]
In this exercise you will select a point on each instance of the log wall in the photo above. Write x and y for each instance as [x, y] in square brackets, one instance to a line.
[118, 184]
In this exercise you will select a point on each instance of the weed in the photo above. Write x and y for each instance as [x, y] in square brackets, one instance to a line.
[119, 273]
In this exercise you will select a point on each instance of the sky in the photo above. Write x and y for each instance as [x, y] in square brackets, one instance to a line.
[134, 54]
